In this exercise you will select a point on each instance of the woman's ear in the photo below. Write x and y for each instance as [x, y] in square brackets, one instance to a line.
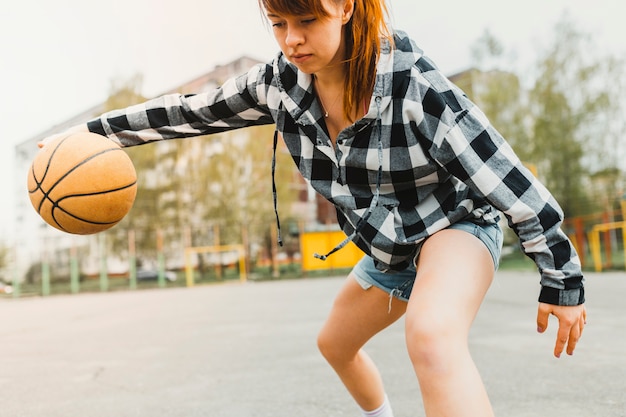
[348, 10]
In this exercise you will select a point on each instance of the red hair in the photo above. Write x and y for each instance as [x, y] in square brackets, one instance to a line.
[363, 42]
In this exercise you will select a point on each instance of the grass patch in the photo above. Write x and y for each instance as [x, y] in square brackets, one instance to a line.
[516, 261]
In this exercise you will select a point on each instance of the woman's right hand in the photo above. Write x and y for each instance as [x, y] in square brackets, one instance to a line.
[71, 130]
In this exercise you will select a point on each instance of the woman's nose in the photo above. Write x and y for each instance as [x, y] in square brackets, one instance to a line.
[294, 36]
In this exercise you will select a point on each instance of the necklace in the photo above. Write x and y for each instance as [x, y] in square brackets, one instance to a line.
[322, 103]
[324, 107]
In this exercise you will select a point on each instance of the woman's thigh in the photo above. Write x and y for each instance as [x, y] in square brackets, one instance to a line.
[454, 272]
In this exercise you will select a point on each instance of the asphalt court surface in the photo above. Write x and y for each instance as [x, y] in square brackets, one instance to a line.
[248, 350]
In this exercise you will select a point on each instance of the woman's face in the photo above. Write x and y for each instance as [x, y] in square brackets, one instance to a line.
[313, 44]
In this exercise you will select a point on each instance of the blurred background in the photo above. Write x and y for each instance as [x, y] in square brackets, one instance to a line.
[549, 74]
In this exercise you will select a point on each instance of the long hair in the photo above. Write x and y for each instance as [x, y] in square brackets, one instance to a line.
[363, 34]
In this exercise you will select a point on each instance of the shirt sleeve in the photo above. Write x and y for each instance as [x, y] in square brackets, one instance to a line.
[469, 148]
[239, 102]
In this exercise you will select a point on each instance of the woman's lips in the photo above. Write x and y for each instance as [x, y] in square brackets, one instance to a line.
[300, 58]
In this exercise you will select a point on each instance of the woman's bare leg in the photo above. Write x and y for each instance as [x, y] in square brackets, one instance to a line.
[454, 272]
[355, 317]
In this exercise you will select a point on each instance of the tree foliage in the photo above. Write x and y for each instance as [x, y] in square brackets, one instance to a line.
[190, 190]
[227, 182]
[568, 121]
[4, 259]
[566, 98]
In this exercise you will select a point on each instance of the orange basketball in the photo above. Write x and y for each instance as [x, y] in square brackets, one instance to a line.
[82, 183]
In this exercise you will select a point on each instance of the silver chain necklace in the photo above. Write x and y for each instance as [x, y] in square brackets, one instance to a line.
[322, 103]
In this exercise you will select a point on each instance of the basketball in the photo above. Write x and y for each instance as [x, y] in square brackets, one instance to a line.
[82, 183]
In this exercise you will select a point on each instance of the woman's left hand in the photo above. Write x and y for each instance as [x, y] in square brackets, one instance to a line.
[572, 320]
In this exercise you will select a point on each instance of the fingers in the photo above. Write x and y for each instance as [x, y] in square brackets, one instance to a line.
[542, 317]
[577, 331]
[574, 336]
[47, 140]
[572, 320]
[74, 129]
[567, 334]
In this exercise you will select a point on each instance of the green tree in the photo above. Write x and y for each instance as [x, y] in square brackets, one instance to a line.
[568, 96]
[4, 261]
[124, 93]
[565, 117]
[499, 92]
[229, 179]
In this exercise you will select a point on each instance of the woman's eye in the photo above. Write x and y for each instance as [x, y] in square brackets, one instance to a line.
[307, 21]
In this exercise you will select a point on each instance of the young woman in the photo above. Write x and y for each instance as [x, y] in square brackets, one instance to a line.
[417, 175]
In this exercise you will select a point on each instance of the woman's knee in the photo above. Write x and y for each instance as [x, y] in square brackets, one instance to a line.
[331, 348]
[324, 343]
[432, 342]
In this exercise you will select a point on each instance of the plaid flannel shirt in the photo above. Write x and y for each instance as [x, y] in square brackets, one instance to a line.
[422, 158]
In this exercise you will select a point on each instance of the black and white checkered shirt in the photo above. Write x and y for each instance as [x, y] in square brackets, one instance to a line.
[422, 158]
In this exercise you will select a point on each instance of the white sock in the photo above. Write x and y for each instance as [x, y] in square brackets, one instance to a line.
[383, 411]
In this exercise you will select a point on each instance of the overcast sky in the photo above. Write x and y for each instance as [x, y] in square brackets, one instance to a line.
[58, 58]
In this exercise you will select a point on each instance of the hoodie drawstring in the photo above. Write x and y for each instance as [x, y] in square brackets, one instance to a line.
[275, 194]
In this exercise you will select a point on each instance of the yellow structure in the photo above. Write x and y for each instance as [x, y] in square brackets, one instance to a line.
[322, 242]
[594, 238]
[594, 241]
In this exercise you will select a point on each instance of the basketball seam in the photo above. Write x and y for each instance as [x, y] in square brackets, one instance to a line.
[45, 172]
[46, 194]
[56, 206]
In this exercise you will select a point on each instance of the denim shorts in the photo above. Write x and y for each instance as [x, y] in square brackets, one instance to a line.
[400, 284]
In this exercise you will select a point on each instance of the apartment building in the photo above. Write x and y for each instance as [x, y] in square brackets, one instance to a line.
[35, 241]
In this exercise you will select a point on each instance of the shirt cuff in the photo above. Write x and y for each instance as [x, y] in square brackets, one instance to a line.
[559, 297]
